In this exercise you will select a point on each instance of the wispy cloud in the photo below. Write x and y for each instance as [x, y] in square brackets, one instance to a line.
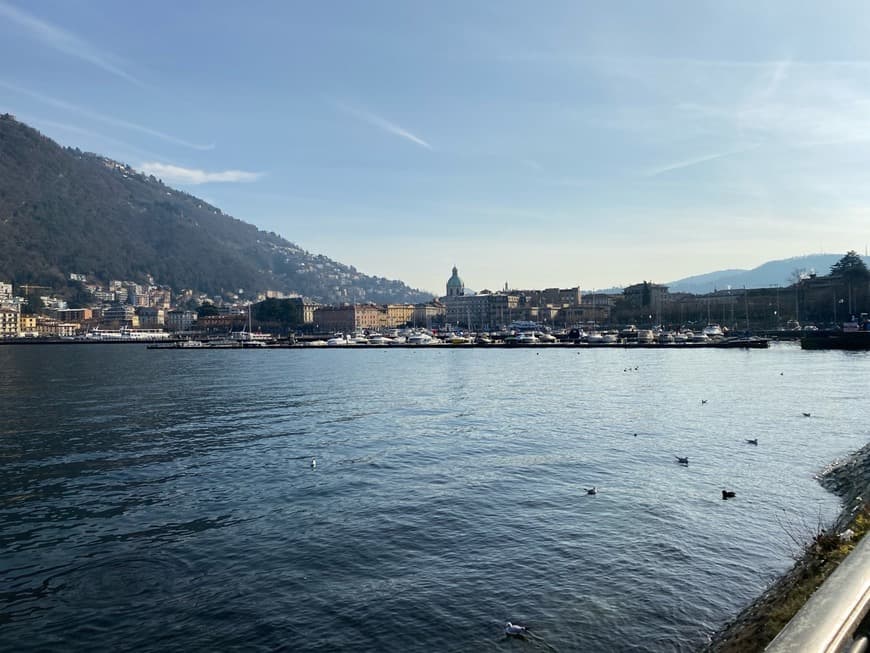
[109, 120]
[66, 42]
[193, 176]
[693, 161]
[382, 123]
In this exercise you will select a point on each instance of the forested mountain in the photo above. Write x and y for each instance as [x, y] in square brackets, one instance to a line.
[63, 210]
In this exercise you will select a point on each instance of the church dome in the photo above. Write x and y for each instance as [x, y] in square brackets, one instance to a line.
[455, 286]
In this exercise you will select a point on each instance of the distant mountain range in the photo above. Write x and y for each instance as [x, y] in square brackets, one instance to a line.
[65, 211]
[772, 273]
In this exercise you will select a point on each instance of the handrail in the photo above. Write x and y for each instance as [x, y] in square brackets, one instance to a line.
[829, 619]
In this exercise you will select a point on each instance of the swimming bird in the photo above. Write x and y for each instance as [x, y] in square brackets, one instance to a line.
[681, 460]
[703, 401]
[754, 441]
[591, 490]
[728, 494]
[313, 463]
[515, 629]
[806, 414]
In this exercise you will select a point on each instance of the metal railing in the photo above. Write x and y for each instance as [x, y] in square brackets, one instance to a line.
[831, 620]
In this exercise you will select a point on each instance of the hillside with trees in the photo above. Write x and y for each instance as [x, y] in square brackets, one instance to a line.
[63, 211]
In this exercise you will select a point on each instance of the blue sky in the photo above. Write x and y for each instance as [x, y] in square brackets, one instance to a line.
[538, 144]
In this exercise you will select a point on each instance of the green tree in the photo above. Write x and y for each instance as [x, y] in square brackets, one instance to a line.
[851, 266]
[34, 304]
[207, 309]
[855, 275]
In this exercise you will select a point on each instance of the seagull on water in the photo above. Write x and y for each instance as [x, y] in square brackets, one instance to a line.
[703, 401]
[591, 490]
[313, 463]
[515, 629]
[806, 414]
[681, 460]
[728, 494]
[753, 441]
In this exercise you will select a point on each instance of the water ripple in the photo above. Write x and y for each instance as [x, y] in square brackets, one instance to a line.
[168, 502]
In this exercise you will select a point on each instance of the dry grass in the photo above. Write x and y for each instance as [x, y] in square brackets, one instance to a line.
[753, 629]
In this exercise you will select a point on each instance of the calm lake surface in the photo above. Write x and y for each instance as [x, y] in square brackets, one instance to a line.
[165, 500]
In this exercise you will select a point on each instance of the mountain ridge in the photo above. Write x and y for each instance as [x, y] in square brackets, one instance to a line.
[66, 211]
[779, 272]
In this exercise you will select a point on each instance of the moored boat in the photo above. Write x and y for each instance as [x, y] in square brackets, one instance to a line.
[837, 339]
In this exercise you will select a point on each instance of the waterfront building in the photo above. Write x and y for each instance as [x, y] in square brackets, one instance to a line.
[428, 313]
[350, 317]
[586, 313]
[5, 292]
[27, 326]
[118, 315]
[222, 323]
[72, 314]
[398, 314]
[470, 311]
[646, 298]
[51, 327]
[151, 317]
[179, 320]
[303, 310]
[8, 323]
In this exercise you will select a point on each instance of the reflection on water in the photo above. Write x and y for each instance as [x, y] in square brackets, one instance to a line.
[165, 500]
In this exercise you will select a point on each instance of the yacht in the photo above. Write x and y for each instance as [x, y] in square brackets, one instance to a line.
[420, 339]
[713, 331]
[527, 338]
[645, 335]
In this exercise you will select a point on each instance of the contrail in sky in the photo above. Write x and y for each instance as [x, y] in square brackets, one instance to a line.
[64, 41]
[384, 124]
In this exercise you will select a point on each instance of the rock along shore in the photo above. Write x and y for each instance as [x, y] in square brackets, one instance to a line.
[761, 621]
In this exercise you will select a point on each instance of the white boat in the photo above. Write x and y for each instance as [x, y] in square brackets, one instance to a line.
[380, 340]
[645, 335]
[700, 337]
[128, 334]
[593, 338]
[610, 338]
[527, 338]
[546, 337]
[420, 339]
[665, 338]
[713, 331]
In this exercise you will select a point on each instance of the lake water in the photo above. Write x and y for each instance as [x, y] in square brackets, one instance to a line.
[165, 500]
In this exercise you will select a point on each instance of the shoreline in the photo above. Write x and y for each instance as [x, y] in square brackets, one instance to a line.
[755, 626]
[172, 344]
